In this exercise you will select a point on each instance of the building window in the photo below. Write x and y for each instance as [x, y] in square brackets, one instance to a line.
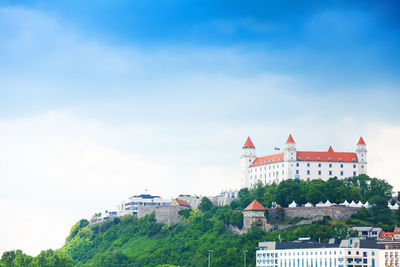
[353, 159]
[340, 159]
[329, 159]
[330, 172]
[308, 158]
[362, 166]
[298, 158]
[341, 165]
[354, 166]
[330, 165]
[308, 172]
[318, 158]
[297, 164]
[308, 164]
[297, 171]
[354, 173]
[319, 172]
[319, 165]
[341, 173]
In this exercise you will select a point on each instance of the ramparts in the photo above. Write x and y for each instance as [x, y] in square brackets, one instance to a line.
[164, 214]
[334, 212]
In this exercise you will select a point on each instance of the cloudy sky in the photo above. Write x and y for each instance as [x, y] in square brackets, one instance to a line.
[100, 100]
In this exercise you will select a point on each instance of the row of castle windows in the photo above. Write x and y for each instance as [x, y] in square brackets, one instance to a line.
[319, 165]
[330, 173]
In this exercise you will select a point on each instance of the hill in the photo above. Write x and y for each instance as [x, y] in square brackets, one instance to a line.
[129, 241]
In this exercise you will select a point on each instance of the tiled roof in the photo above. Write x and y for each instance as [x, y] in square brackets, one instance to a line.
[386, 235]
[182, 203]
[290, 139]
[248, 144]
[361, 141]
[326, 156]
[268, 159]
[397, 230]
[255, 205]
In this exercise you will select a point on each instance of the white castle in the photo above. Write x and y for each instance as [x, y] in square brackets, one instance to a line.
[304, 165]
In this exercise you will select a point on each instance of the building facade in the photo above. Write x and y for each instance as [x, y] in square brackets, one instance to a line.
[304, 165]
[336, 253]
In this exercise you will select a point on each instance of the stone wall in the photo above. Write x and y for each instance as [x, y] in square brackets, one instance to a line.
[336, 212]
[164, 214]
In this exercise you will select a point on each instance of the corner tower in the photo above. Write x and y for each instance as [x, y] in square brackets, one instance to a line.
[247, 158]
[361, 152]
[289, 153]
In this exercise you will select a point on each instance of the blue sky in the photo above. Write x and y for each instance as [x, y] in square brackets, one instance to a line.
[100, 100]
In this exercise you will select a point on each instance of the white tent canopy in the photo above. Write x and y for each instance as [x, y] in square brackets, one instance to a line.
[292, 205]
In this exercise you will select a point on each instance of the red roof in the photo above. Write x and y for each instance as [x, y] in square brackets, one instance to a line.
[255, 205]
[248, 144]
[397, 230]
[327, 156]
[290, 139]
[182, 203]
[330, 149]
[386, 235]
[268, 159]
[361, 141]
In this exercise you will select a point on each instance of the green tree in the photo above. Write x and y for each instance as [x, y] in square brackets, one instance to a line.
[236, 219]
[51, 258]
[205, 204]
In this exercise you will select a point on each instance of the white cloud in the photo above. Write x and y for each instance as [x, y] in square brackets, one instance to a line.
[59, 166]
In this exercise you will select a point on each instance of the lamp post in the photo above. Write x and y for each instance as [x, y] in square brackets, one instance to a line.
[244, 260]
[209, 257]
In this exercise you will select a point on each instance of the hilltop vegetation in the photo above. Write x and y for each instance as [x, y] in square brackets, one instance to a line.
[130, 241]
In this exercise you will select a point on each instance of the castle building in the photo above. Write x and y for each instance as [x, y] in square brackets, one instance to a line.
[304, 165]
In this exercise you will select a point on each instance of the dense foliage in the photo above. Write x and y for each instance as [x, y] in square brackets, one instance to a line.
[46, 258]
[359, 188]
[131, 241]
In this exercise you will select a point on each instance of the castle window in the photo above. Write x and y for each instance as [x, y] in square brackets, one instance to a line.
[308, 164]
[319, 172]
[354, 166]
[249, 160]
[341, 173]
[308, 172]
[330, 172]
[318, 158]
[353, 159]
[297, 171]
[298, 158]
[308, 158]
[319, 165]
[340, 159]
[362, 166]
[354, 173]
[329, 159]
[341, 165]
[330, 165]
[297, 164]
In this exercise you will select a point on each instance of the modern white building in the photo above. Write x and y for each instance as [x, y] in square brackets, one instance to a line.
[367, 232]
[305, 165]
[133, 203]
[337, 253]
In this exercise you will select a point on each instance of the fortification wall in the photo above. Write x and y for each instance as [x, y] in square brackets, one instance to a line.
[164, 214]
[336, 212]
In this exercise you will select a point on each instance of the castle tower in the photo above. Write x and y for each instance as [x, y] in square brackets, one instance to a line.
[290, 157]
[361, 152]
[253, 214]
[247, 158]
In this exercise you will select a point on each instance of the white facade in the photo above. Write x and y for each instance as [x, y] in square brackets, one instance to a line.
[311, 254]
[304, 165]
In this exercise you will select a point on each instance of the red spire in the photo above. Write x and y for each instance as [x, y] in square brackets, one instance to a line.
[248, 144]
[255, 205]
[330, 149]
[361, 141]
[290, 140]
